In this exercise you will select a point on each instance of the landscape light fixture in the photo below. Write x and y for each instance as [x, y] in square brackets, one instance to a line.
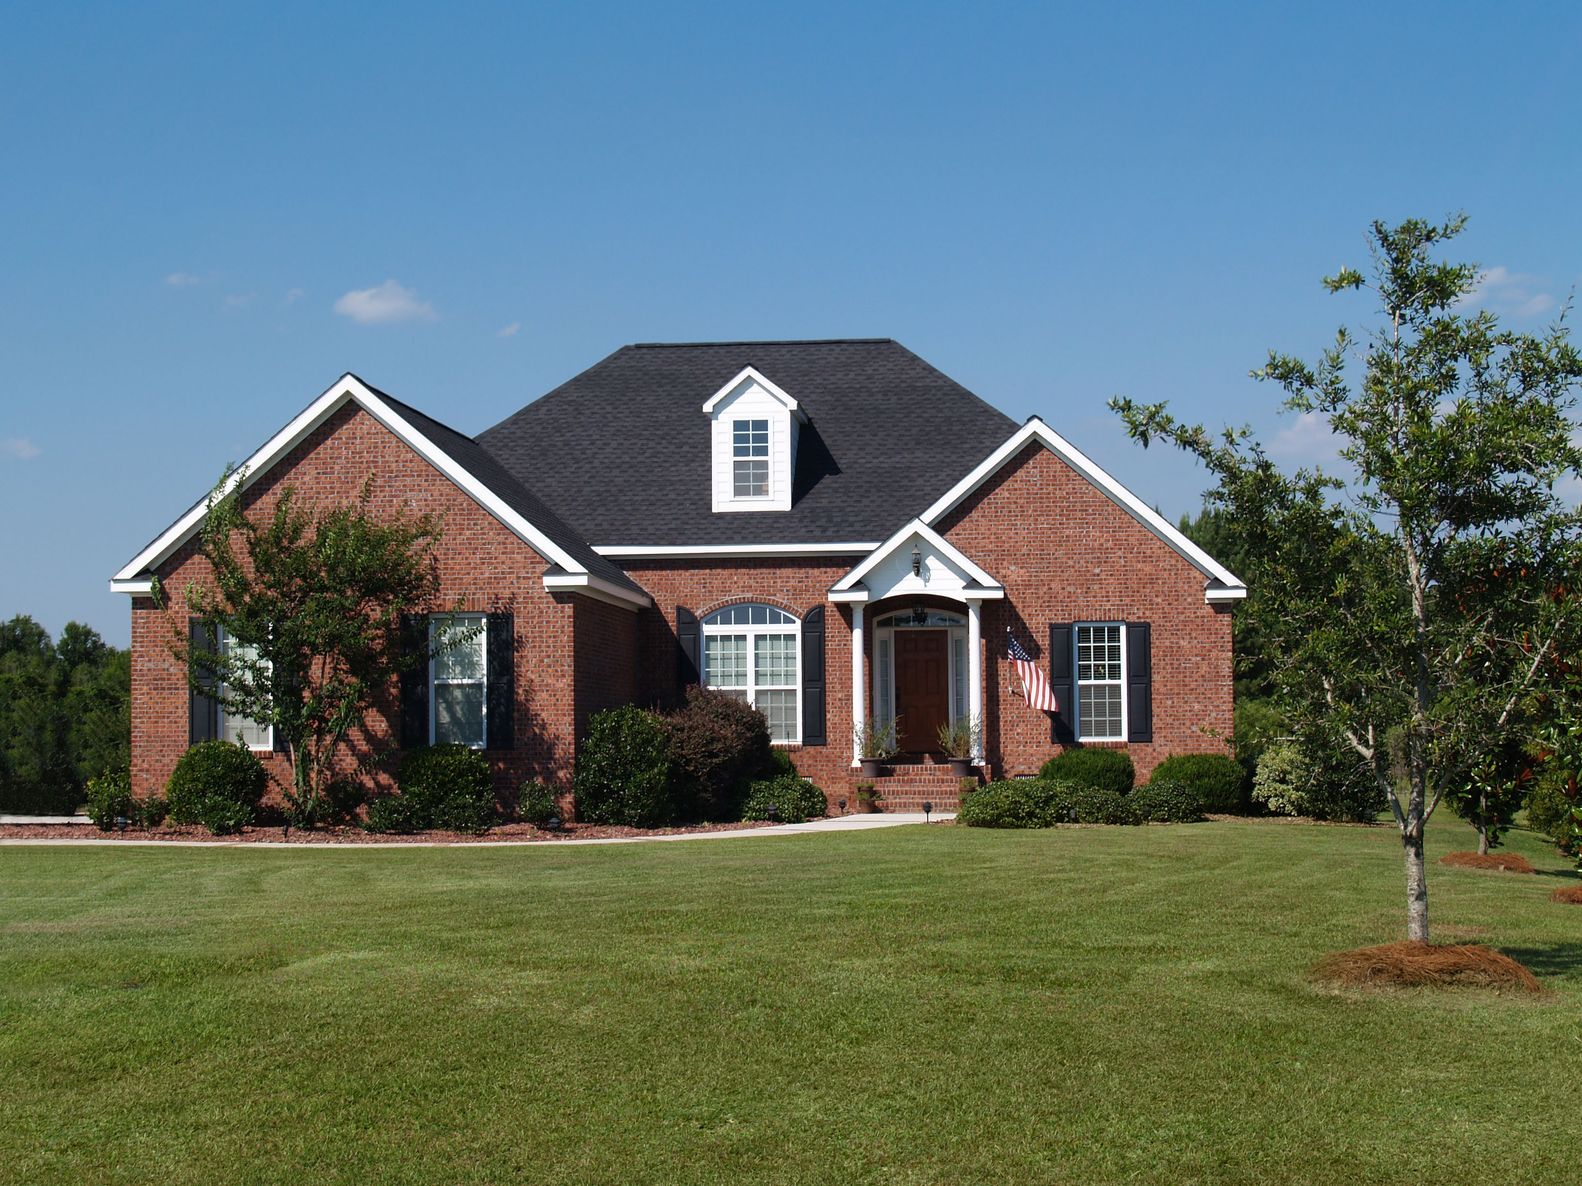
[842, 806]
[285, 830]
[120, 823]
[927, 807]
[772, 814]
[917, 561]
[552, 824]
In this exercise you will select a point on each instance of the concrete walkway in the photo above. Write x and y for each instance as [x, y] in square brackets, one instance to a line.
[840, 823]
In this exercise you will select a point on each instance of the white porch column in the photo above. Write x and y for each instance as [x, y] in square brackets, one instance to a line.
[859, 710]
[975, 674]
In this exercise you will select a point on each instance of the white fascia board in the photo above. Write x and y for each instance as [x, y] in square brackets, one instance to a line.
[938, 542]
[596, 587]
[1036, 429]
[758, 377]
[703, 551]
[347, 388]
[861, 595]
[858, 596]
[133, 587]
[1216, 593]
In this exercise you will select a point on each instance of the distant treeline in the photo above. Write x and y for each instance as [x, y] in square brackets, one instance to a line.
[65, 714]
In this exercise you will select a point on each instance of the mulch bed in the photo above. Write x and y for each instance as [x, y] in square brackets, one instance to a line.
[1571, 894]
[358, 835]
[1425, 965]
[1503, 862]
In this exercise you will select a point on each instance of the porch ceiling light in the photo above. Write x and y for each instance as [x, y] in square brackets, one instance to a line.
[917, 561]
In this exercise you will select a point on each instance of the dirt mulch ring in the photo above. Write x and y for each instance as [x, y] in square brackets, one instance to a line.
[1571, 894]
[1423, 965]
[349, 836]
[1502, 862]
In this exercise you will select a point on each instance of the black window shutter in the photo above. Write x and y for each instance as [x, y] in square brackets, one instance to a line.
[281, 690]
[501, 644]
[813, 677]
[1062, 722]
[203, 711]
[688, 652]
[1139, 682]
[414, 680]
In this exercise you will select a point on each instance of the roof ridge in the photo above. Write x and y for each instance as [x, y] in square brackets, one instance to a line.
[759, 342]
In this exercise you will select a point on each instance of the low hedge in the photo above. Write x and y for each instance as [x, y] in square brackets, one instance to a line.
[623, 770]
[1219, 780]
[1106, 769]
[1167, 801]
[537, 803]
[793, 797]
[1043, 803]
[444, 787]
[218, 784]
[110, 800]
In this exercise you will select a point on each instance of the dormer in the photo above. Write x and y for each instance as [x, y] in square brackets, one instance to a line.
[753, 426]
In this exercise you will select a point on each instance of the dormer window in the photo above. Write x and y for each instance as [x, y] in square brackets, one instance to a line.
[753, 427]
[750, 458]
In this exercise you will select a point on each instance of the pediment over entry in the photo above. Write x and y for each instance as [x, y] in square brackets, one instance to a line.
[917, 560]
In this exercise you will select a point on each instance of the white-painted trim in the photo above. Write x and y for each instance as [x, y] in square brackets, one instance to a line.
[755, 375]
[483, 681]
[597, 588]
[135, 588]
[859, 705]
[348, 388]
[703, 551]
[1076, 684]
[1229, 586]
[975, 675]
[916, 527]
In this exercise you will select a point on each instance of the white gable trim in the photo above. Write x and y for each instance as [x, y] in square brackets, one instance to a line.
[132, 578]
[753, 374]
[704, 551]
[977, 584]
[1223, 584]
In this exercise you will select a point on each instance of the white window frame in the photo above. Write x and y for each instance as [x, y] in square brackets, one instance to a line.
[955, 627]
[752, 632]
[768, 456]
[224, 640]
[1078, 684]
[462, 622]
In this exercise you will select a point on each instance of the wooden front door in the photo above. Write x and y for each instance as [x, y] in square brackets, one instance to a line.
[922, 689]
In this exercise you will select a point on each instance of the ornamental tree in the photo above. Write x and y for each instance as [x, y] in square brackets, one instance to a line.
[310, 602]
[1407, 611]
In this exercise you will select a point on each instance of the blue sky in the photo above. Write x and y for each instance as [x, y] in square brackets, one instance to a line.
[208, 212]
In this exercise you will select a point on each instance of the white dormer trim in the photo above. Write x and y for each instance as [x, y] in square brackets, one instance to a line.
[1222, 585]
[753, 375]
[134, 577]
[947, 571]
[751, 397]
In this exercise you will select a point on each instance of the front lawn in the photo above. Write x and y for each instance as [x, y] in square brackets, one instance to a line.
[913, 1005]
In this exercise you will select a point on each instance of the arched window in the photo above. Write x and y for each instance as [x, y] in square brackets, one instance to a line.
[753, 652]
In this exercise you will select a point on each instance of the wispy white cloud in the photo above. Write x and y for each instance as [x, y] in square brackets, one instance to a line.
[1307, 440]
[384, 303]
[237, 300]
[18, 448]
[293, 296]
[509, 331]
[1516, 294]
[183, 279]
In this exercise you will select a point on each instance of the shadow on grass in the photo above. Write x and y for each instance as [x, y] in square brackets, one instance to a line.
[1557, 959]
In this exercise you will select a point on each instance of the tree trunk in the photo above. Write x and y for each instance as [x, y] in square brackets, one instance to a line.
[1416, 880]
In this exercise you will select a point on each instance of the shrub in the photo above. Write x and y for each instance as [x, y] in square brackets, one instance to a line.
[1218, 779]
[1167, 801]
[1282, 779]
[537, 803]
[1290, 780]
[1095, 805]
[442, 786]
[1107, 769]
[217, 784]
[29, 797]
[1043, 803]
[718, 745]
[1550, 808]
[151, 812]
[337, 803]
[794, 799]
[623, 770]
[110, 799]
[780, 763]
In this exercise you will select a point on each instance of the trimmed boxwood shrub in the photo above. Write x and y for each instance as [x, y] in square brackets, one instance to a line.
[1107, 769]
[537, 803]
[447, 787]
[1218, 779]
[1167, 801]
[718, 745]
[217, 784]
[1097, 805]
[793, 797]
[1043, 803]
[623, 770]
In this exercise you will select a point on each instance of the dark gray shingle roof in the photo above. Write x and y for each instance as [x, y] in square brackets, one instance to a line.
[621, 451]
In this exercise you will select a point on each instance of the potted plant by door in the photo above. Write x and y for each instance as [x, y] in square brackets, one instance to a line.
[867, 797]
[875, 744]
[959, 740]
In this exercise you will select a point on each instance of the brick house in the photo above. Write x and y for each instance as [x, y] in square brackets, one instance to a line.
[834, 531]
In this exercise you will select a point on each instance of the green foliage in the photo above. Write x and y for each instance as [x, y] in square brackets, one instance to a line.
[110, 799]
[1282, 779]
[335, 803]
[1108, 769]
[1291, 780]
[1043, 803]
[718, 744]
[959, 738]
[1167, 801]
[64, 715]
[537, 803]
[876, 742]
[216, 784]
[443, 787]
[623, 770]
[312, 600]
[1218, 779]
[1552, 805]
[794, 799]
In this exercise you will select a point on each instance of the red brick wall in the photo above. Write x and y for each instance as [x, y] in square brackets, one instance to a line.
[481, 564]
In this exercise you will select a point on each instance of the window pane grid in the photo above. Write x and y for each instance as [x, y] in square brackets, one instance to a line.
[459, 679]
[758, 661]
[243, 730]
[750, 479]
[1100, 683]
[725, 660]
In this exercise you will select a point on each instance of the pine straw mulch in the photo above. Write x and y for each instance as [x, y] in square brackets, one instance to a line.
[1410, 964]
[353, 836]
[1571, 894]
[1503, 862]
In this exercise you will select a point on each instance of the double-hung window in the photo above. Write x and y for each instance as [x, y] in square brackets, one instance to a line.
[255, 735]
[1101, 681]
[750, 458]
[459, 679]
[753, 652]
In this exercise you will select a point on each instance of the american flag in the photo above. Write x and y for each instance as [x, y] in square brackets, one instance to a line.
[1034, 686]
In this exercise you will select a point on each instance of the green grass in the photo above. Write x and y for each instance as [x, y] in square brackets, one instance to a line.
[902, 1006]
